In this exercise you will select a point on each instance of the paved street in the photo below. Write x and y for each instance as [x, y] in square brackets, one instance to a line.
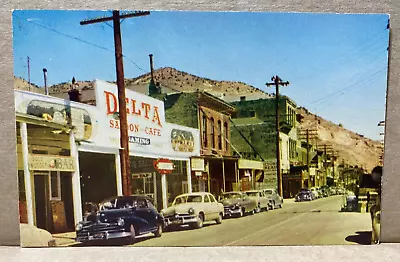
[306, 223]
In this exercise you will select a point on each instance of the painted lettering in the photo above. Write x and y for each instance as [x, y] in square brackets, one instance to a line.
[146, 108]
[134, 111]
[111, 103]
[156, 117]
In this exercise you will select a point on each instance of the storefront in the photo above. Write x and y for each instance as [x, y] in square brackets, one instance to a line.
[251, 174]
[46, 174]
[92, 151]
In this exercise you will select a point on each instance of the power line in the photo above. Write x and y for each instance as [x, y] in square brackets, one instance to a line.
[80, 40]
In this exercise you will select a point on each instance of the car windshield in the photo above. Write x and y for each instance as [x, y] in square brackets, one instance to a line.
[230, 195]
[188, 199]
[268, 191]
[122, 203]
[252, 193]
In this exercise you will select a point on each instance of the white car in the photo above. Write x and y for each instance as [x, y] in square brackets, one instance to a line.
[263, 202]
[316, 192]
[193, 209]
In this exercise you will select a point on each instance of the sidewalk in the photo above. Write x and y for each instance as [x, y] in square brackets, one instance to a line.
[64, 239]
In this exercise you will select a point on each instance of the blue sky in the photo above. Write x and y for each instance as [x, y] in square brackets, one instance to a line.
[336, 63]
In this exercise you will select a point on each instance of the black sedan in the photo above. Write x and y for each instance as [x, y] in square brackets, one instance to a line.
[303, 196]
[123, 217]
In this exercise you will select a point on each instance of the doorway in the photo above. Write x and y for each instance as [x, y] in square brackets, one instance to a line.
[42, 201]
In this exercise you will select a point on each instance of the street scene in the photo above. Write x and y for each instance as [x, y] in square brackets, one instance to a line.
[223, 143]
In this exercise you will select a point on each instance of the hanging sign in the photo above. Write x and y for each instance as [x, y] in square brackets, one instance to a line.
[164, 166]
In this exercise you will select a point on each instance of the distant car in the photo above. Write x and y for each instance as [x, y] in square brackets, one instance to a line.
[237, 204]
[308, 191]
[277, 200]
[193, 209]
[304, 196]
[120, 217]
[316, 192]
[263, 203]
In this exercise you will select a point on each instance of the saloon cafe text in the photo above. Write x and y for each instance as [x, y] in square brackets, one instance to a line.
[68, 154]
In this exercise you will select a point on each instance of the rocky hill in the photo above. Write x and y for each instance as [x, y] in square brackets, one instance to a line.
[351, 148]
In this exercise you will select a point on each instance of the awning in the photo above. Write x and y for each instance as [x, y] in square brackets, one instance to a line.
[34, 120]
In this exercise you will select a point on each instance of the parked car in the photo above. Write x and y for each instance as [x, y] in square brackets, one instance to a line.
[263, 202]
[316, 191]
[237, 204]
[193, 209]
[308, 191]
[304, 196]
[277, 200]
[120, 217]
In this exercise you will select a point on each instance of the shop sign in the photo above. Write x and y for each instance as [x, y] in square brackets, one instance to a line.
[51, 163]
[56, 110]
[141, 175]
[250, 164]
[164, 166]
[139, 140]
[197, 164]
[198, 173]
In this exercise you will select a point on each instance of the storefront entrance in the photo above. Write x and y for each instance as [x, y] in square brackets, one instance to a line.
[53, 201]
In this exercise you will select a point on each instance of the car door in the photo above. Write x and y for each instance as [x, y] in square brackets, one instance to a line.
[264, 199]
[144, 214]
[214, 206]
[206, 208]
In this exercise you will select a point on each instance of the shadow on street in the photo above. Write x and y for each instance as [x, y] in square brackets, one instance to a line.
[360, 237]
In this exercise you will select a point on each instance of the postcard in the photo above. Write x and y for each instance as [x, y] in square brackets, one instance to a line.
[238, 128]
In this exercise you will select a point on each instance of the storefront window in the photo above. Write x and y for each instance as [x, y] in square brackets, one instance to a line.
[226, 135]
[177, 180]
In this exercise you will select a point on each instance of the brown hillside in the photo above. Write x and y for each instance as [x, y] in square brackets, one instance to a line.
[184, 82]
[352, 148]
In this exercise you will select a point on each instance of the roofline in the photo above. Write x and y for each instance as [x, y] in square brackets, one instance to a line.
[218, 99]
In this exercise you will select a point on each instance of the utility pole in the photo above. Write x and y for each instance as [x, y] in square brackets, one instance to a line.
[29, 73]
[309, 134]
[276, 81]
[46, 90]
[124, 139]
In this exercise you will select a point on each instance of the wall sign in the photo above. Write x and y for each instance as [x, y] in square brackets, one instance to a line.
[164, 166]
[197, 164]
[51, 163]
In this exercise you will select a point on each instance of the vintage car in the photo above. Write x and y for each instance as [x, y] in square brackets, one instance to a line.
[304, 196]
[193, 209]
[120, 217]
[276, 199]
[237, 204]
[263, 202]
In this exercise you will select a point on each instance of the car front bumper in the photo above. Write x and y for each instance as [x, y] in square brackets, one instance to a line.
[228, 212]
[89, 236]
[180, 220]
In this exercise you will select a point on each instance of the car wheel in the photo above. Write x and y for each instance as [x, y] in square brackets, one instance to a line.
[219, 220]
[273, 205]
[258, 208]
[159, 231]
[131, 239]
[200, 221]
[280, 205]
[242, 212]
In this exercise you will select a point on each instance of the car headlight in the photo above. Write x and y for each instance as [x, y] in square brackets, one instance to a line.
[120, 222]
[191, 211]
[78, 227]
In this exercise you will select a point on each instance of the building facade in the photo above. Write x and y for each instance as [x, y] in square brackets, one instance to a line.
[68, 154]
